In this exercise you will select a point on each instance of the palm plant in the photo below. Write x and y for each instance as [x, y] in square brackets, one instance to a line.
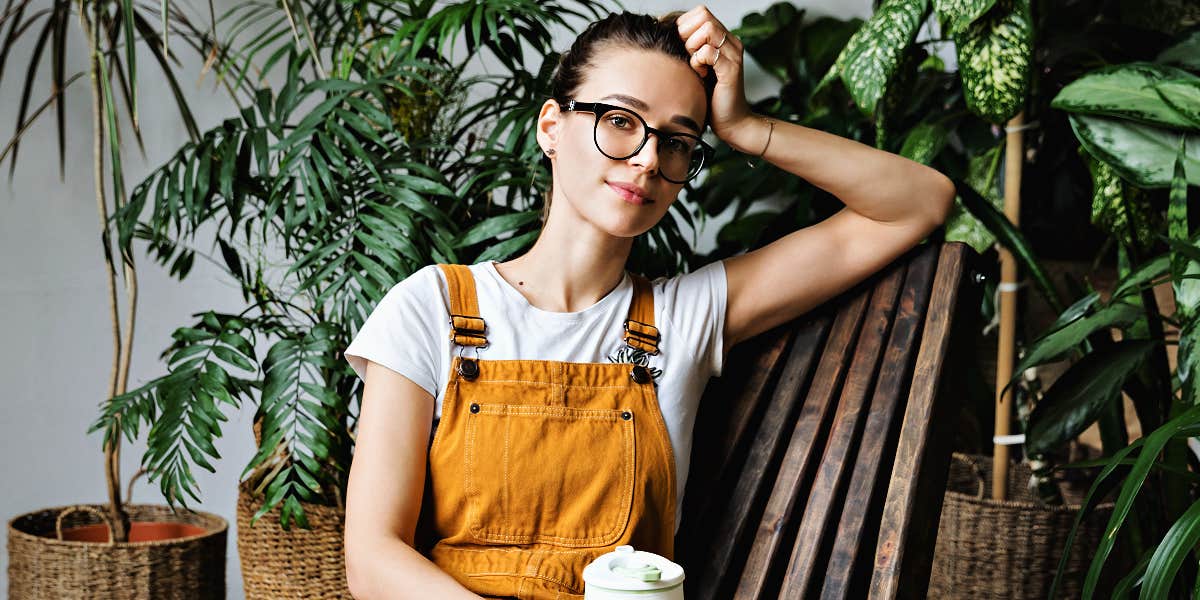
[375, 156]
[112, 33]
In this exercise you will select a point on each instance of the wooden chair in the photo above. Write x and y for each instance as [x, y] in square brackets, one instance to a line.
[820, 454]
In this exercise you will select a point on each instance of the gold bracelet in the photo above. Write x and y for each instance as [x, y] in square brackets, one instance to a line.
[770, 130]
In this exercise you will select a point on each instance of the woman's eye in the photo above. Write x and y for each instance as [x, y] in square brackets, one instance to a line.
[677, 145]
[618, 121]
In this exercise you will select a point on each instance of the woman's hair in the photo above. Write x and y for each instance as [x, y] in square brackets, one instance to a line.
[620, 30]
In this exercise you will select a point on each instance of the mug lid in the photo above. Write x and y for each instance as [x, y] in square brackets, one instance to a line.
[627, 569]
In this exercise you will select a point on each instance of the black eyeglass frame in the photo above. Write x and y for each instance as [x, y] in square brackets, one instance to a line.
[600, 109]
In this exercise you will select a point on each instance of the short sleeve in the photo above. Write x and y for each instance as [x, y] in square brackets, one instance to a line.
[401, 331]
[694, 307]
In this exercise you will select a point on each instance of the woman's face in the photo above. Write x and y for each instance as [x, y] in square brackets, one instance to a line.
[667, 93]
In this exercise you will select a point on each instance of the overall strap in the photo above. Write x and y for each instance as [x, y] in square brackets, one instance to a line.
[466, 326]
[640, 331]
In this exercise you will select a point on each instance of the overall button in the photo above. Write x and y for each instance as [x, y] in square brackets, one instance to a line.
[468, 368]
[627, 415]
[474, 407]
[640, 374]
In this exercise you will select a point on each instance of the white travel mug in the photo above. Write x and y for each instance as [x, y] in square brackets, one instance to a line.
[625, 573]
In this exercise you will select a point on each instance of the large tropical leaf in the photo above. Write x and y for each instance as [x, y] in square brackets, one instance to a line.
[1141, 154]
[875, 51]
[1078, 396]
[994, 56]
[1131, 91]
[958, 15]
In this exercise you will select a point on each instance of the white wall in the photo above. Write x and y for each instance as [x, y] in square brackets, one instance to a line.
[57, 353]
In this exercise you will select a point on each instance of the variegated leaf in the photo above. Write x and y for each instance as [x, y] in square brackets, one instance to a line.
[961, 225]
[957, 15]
[994, 55]
[1185, 53]
[1130, 91]
[1187, 291]
[1116, 208]
[1140, 154]
[874, 52]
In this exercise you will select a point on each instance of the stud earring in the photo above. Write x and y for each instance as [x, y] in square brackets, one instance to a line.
[550, 152]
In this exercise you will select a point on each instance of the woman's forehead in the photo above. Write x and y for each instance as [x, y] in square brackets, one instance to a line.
[648, 81]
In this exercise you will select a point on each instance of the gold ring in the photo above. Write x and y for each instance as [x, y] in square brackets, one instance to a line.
[722, 42]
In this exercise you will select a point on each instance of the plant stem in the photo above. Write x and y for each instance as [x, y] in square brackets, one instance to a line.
[112, 450]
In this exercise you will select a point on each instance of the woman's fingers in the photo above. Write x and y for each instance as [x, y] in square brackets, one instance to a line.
[702, 33]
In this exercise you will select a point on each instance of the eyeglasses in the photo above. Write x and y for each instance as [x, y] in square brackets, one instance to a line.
[620, 133]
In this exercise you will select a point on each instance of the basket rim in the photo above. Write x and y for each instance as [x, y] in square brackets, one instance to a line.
[222, 529]
[1021, 504]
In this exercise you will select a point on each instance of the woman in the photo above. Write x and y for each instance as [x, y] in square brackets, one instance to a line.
[565, 388]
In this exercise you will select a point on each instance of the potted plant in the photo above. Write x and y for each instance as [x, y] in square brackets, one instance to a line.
[107, 550]
[374, 156]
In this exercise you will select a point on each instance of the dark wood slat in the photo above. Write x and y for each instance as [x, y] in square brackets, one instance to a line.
[725, 425]
[728, 531]
[802, 451]
[893, 576]
[837, 460]
[867, 484]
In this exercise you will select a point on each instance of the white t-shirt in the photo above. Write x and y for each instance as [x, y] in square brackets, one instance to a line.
[409, 333]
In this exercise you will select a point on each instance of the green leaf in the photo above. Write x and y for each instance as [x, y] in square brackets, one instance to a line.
[994, 56]
[1011, 238]
[492, 227]
[1151, 445]
[1185, 52]
[1176, 546]
[1055, 343]
[1077, 397]
[960, 14]
[923, 143]
[874, 52]
[1140, 154]
[1118, 209]
[1129, 91]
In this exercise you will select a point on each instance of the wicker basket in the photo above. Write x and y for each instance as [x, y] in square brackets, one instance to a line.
[300, 563]
[1011, 548]
[43, 565]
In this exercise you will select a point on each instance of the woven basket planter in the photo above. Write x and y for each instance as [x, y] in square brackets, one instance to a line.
[1007, 549]
[298, 563]
[46, 561]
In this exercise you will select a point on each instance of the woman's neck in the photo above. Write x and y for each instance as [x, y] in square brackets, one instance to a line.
[568, 273]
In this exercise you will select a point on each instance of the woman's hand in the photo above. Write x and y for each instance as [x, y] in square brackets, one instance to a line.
[731, 117]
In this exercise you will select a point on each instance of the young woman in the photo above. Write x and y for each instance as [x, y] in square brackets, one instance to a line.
[564, 387]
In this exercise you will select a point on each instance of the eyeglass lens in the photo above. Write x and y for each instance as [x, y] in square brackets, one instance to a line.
[619, 133]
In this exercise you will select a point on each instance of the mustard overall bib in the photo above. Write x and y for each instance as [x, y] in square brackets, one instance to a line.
[538, 467]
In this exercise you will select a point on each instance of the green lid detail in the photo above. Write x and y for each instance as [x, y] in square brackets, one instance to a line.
[641, 573]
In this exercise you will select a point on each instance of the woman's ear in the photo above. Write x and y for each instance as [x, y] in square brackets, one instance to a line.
[548, 124]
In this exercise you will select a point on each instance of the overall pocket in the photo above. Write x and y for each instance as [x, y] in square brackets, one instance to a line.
[548, 474]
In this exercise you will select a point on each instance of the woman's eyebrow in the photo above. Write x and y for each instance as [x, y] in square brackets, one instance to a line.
[638, 104]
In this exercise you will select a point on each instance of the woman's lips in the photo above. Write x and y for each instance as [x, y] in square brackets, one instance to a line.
[629, 196]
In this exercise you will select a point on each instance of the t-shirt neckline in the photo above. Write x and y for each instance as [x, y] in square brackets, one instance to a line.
[516, 296]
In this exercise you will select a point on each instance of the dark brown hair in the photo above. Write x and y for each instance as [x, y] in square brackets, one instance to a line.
[622, 30]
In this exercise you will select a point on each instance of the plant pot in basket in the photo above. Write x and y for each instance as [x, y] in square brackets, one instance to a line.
[67, 552]
[1010, 548]
[292, 563]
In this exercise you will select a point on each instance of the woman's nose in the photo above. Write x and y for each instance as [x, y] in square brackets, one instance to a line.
[647, 157]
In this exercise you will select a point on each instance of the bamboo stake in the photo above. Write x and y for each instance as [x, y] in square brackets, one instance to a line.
[1013, 160]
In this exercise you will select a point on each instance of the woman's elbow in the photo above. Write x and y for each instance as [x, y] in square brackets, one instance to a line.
[944, 195]
[357, 571]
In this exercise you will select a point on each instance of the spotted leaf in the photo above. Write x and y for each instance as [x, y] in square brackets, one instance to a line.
[874, 52]
[957, 15]
[994, 55]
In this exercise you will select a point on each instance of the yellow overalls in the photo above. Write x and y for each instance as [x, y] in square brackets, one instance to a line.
[538, 467]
